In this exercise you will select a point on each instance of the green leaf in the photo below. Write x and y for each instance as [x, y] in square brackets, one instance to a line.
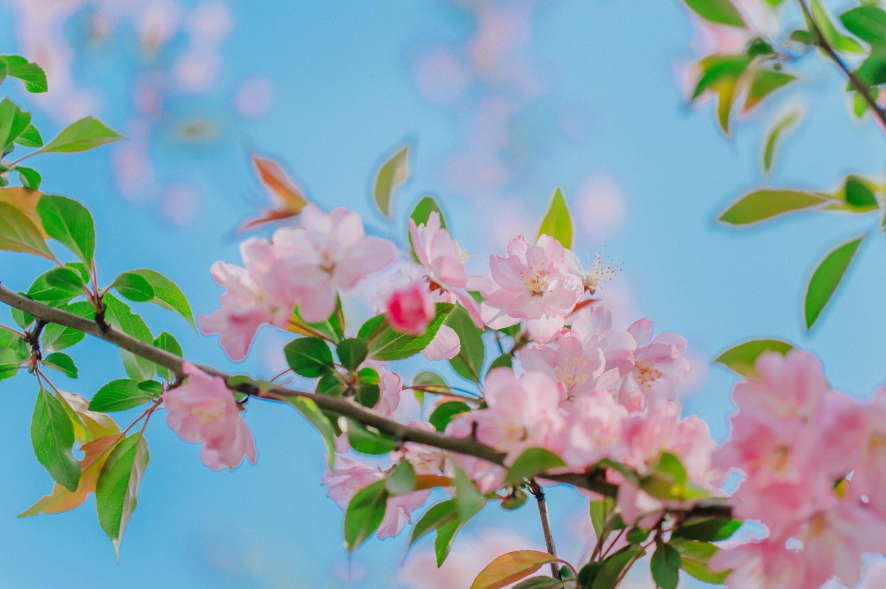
[19, 234]
[532, 462]
[637, 536]
[368, 394]
[13, 122]
[318, 419]
[163, 292]
[831, 35]
[58, 285]
[868, 23]
[711, 529]
[121, 317]
[557, 222]
[444, 412]
[386, 344]
[31, 74]
[859, 194]
[52, 435]
[331, 384]
[468, 498]
[351, 352]
[764, 83]
[600, 510]
[469, 361]
[30, 137]
[85, 134]
[431, 381]
[719, 69]
[444, 540]
[332, 328]
[694, 560]
[721, 12]
[309, 357]
[610, 572]
[60, 362]
[29, 177]
[57, 337]
[510, 568]
[167, 342]
[768, 203]
[68, 222]
[743, 357]
[120, 395]
[393, 172]
[503, 361]
[9, 362]
[364, 514]
[827, 277]
[116, 493]
[665, 565]
[368, 440]
[438, 515]
[402, 479]
[782, 126]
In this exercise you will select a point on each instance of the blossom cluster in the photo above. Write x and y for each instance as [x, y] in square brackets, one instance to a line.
[814, 466]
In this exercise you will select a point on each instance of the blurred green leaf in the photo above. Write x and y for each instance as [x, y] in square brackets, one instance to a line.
[827, 277]
[743, 357]
[782, 126]
[557, 222]
[364, 514]
[868, 23]
[768, 203]
[720, 12]
[393, 172]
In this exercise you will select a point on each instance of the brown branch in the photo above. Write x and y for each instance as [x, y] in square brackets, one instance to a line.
[539, 495]
[337, 405]
[856, 82]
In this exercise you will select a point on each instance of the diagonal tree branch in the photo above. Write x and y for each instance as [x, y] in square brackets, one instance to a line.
[337, 405]
[863, 89]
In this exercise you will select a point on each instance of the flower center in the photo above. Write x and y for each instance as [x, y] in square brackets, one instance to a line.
[647, 373]
[536, 281]
[327, 262]
[205, 416]
[570, 372]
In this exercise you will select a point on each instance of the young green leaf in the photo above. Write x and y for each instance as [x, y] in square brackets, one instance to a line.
[167, 342]
[368, 394]
[31, 74]
[58, 285]
[532, 462]
[386, 344]
[710, 529]
[13, 122]
[366, 440]
[444, 412]
[768, 203]
[438, 515]
[720, 12]
[318, 419]
[9, 363]
[351, 352]
[30, 137]
[62, 363]
[782, 126]
[68, 222]
[121, 317]
[827, 277]
[695, 557]
[152, 287]
[120, 395]
[116, 493]
[401, 480]
[557, 222]
[743, 357]
[309, 357]
[393, 172]
[832, 36]
[364, 514]
[764, 83]
[85, 134]
[868, 23]
[469, 361]
[665, 566]
[468, 498]
[29, 177]
[52, 436]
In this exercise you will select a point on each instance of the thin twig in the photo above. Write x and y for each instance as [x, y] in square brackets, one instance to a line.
[469, 446]
[539, 495]
[856, 82]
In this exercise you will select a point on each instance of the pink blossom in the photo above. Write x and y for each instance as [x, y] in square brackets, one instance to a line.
[869, 478]
[410, 309]
[424, 459]
[204, 411]
[444, 346]
[567, 361]
[593, 325]
[391, 389]
[658, 365]
[790, 386]
[328, 253]
[532, 283]
[522, 413]
[445, 264]
[350, 477]
[593, 430]
[762, 565]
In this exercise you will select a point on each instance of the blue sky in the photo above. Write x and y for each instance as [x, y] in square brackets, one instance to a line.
[345, 96]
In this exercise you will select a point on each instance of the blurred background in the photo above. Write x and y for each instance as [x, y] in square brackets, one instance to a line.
[502, 101]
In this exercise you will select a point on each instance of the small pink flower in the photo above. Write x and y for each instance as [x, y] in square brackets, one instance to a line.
[593, 430]
[424, 459]
[328, 253]
[410, 309]
[204, 411]
[350, 477]
[444, 346]
[593, 325]
[522, 413]
[658, 366]
[568, 362]
[444, 263]
[532, 283]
